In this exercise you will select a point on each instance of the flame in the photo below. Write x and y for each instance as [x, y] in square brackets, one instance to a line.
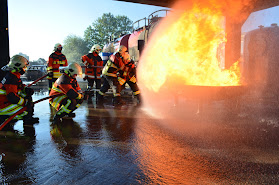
[187, 49]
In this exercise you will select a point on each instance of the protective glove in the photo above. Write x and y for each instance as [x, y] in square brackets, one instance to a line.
[29, 91]
[85, 78]
[80, 96]
[50, 74]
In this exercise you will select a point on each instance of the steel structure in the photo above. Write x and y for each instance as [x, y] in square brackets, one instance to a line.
[257, 4]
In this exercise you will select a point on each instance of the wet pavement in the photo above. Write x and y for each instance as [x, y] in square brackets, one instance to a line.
[108, 145]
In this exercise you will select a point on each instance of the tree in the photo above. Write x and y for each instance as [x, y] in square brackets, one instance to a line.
[106, 26]
[74, 47]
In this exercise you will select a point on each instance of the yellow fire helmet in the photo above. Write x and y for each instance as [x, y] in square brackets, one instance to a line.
[73, 69]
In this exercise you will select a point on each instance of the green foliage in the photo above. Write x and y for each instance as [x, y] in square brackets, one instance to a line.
[74, 47]
[104, 27]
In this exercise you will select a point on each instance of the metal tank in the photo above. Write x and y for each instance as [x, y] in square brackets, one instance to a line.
[261, 60]
[141, 34]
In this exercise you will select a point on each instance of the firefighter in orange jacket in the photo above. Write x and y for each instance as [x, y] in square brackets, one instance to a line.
[94, 65]
[129, 77]
[56, 60]
[113, 68]
[14, 95]
[70, 95]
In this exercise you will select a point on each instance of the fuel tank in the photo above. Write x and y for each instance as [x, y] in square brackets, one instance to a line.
[261, 64]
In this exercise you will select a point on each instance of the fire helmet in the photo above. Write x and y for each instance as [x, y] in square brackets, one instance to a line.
[73, 69]
[18, 63]
[126, 58]
[57, 46]
[122, 49]
[96, 48]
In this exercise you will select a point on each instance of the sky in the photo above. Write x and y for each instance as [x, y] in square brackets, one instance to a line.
[35, 26]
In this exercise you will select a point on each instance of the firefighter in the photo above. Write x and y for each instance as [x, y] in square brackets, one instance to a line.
[71, 95]
[129, 77]
[94, 65]
[113, 68]
[14, 95]
[56, 59]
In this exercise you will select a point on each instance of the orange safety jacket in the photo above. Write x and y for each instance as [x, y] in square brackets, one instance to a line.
[56, 59]
[13, 87]
[67, 87]
[114, 65]
[92, 59]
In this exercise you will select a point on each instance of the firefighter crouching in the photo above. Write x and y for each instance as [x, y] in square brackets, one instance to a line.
[71, 95]
[56, 60]
[14, 95]
[93, 74]
[114, 66]
[129, 77]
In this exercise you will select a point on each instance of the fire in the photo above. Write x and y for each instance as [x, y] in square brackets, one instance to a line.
[187, 49]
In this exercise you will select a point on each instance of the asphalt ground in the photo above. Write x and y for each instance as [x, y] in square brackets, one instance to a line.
[127, 145]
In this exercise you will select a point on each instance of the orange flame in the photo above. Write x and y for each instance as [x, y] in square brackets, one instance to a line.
[187, 49]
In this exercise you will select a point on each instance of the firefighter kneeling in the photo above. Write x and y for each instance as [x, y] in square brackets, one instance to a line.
[14, 95]
[71, 95]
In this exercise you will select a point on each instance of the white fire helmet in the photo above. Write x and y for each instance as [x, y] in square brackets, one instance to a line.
[96, 48]
[18, 62]
[56, 46]
[73, 69]
[122, 49]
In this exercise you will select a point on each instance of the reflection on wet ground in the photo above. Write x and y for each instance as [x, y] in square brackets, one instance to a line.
[107, 145]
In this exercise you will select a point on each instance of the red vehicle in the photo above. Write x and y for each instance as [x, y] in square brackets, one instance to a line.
[135, 41]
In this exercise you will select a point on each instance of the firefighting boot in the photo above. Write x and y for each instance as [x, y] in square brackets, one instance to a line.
[59, 115]
[71, 115]
[57, 119]
[9, 126]
[29, 120]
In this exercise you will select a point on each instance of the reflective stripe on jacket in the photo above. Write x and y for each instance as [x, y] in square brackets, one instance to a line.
[12, 84]
[67, 86]
[56, 60]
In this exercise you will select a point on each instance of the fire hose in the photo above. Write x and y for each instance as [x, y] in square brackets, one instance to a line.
[36, 80]
[24, 109]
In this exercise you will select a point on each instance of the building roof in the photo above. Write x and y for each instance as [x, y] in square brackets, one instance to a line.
[258, 4]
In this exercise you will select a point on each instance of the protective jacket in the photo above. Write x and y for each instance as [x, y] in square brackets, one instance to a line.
[114, 65]
[92, 59]
[13, 94]
[129, 73]
[56, 59]
[67, 87]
